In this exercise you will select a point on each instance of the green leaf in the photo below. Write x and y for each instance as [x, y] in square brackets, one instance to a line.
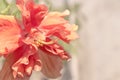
[13, 10]
[3, 6]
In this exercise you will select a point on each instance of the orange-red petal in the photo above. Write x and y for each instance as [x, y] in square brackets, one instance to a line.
[32, 13]
[10, 34]
[6, 72]
[54, 24]
[55, 49]
[25, 61]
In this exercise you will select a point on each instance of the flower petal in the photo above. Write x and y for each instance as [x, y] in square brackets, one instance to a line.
[32, 13]
[54, 18]
[51, 65]
[29, 67]
[6, 71]
[57, 50]
[26, 58]
[10, 34]
[55, 25]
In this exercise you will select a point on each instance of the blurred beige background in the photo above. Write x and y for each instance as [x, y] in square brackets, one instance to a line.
[100, 36]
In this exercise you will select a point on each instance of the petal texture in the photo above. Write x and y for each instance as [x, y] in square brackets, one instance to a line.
[51, 65]
[54, 24]
[32, 14]
[26, 60]
[55, 49]
[7, 73]
[10, 34]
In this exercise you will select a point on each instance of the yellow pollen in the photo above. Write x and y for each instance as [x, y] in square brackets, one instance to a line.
[41, 42]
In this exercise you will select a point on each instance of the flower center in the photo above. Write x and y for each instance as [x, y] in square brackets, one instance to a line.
[37, 38]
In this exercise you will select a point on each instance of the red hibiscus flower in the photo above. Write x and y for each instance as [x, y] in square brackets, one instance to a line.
[33, 44]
